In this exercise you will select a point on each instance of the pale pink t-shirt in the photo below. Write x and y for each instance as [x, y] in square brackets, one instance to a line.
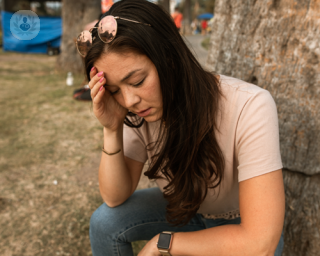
[248, 138]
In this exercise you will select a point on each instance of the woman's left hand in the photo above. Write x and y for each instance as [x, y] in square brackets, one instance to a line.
[151, 249]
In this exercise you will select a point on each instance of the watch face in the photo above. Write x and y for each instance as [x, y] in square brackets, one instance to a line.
[164, 241]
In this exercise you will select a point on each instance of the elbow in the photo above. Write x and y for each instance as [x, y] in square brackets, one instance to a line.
[273, 244]
[112, 203]
[267, 253]
[263, 245]
[267, 248]
[271, 249]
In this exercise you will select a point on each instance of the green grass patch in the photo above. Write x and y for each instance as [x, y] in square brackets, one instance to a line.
[206, 43]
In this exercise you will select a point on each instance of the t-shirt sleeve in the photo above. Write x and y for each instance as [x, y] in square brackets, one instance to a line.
[257, 137]
[134, 145]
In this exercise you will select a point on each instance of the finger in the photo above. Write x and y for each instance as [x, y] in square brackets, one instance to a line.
[93, 71]
[95, 78]
[96, 87]
[99, 96]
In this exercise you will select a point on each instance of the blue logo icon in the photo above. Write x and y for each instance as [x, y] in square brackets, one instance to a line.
[25, 25]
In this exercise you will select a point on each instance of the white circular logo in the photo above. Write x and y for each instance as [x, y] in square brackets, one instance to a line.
[25, 25]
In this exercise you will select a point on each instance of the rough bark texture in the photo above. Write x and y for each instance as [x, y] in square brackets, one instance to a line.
[302, 220]
[75, 15]
[276, 45]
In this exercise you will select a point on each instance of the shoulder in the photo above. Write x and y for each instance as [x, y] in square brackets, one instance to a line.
[239, 92]
[251, 115]
[236, 84]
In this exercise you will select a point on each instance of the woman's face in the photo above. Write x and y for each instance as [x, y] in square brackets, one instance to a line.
[133, 81]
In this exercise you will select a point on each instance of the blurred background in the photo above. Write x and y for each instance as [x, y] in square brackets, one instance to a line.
[50, 141]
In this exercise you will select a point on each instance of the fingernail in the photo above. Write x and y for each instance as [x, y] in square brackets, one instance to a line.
[100, 73]
[92, 68]
[101, 79]
[101, 88]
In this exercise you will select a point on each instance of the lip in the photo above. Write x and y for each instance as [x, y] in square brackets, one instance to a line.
[144, 112]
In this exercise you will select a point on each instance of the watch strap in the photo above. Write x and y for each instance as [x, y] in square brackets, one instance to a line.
[164, 252]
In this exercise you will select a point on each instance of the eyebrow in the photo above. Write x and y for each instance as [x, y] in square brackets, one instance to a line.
[130, 74]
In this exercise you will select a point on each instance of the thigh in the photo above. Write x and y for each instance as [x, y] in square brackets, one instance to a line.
[141, 217]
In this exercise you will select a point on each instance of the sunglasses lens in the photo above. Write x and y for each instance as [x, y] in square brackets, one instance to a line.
[107, 29]
[84, 42]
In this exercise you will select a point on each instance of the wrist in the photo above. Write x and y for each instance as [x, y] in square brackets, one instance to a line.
[112, 133]
[112, 140]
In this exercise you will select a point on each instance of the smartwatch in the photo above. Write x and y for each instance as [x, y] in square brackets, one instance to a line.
[164, 242]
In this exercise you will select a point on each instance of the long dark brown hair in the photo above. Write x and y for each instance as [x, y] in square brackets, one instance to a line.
[189, 157]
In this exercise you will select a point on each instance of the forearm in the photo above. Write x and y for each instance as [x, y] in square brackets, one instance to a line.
[115, 182]
[223, 240]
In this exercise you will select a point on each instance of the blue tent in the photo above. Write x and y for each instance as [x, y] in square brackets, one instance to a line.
[205, 16]
[50, 32]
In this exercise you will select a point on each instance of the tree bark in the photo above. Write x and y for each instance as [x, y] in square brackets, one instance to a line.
[275, 44]
[187, 17]
[75, 15]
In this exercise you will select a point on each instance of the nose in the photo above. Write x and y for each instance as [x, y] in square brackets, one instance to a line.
[130, 97]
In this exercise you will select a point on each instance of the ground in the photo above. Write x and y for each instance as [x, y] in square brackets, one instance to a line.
[50, 148]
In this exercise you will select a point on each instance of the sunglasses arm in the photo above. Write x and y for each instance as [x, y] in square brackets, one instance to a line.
[117, 17]
[90, 30]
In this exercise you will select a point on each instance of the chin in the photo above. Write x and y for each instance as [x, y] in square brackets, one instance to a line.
[152, 118]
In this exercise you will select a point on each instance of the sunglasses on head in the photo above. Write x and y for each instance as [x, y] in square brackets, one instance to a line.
[107, 30]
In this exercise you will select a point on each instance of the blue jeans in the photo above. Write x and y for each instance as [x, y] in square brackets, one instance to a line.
[141, 217]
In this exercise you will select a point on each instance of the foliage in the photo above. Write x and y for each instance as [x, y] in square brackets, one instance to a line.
[206, 43]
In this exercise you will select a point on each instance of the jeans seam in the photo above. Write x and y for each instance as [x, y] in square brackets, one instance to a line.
[141, 224]
[132, 228]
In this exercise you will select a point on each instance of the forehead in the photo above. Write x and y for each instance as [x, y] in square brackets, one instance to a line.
[118, 63]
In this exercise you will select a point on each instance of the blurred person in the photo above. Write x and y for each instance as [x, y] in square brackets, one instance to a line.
[194, 26]
[204, 25]
[212, 143]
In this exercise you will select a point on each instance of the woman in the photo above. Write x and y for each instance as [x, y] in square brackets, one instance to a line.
[212, 142]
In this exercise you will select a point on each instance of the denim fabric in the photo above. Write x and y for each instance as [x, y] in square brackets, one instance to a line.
[141, 217]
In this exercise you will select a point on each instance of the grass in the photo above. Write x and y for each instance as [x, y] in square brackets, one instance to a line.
[206, 43]
[45, 137]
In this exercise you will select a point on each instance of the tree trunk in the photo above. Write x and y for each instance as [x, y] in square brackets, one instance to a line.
[166, 5]
[275, 44]
[187, 17]
[75, 15]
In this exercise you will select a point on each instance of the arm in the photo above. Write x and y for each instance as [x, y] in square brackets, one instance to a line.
[118, 175]
[262, 205]
[262, 215]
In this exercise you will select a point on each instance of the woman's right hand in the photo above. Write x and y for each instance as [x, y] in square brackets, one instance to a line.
[107, 110]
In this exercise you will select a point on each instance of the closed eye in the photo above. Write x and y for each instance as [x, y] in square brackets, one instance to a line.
[140, 83]
[134, 85]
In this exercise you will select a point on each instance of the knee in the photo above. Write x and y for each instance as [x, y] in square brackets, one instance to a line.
[103, 221]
